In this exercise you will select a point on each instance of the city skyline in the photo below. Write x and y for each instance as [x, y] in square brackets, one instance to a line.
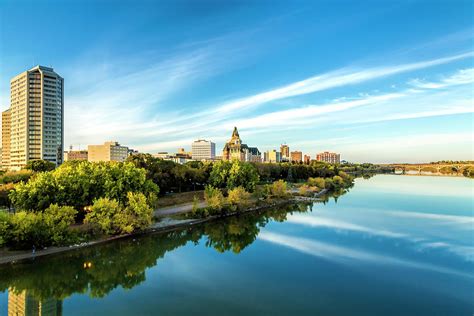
[312, 76]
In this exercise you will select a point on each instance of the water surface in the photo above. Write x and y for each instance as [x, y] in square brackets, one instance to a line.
[393, 245]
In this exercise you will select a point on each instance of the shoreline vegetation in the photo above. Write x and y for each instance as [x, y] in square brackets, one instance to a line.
[88, 269]
[49, 210]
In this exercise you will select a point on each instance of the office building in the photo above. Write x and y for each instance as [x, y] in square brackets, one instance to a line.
[203, 150]
[36, 117]
[296, 156]
[285, 152]
[273, 156]
[6, 128]
[109, 151]
[328, 157]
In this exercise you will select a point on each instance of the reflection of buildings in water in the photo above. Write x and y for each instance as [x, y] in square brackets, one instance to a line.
[23, 304]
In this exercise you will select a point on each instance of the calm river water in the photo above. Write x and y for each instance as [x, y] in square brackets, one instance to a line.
[393, 245]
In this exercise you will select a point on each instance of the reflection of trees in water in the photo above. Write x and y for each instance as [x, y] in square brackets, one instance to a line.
[100, 269]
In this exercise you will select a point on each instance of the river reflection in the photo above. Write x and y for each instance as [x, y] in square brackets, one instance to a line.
[43, 284]
[394, 245]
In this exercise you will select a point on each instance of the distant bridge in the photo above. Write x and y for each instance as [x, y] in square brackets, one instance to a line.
[428, 168]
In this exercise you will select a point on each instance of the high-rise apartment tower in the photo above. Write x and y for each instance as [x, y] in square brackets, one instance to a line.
[36, 117]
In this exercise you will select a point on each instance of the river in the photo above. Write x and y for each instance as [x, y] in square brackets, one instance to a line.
[392, 245]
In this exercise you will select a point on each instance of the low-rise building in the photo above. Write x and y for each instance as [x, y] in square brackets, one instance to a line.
[162, 155]
[76, 155]
[109, 151]
[328, 157]
[253, 155]
[296, 156]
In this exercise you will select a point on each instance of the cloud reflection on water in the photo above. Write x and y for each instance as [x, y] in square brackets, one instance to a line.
[345, 255]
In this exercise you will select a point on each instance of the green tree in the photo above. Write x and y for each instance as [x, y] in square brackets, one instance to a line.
[40, 165]
[78, 184]
[233, 174]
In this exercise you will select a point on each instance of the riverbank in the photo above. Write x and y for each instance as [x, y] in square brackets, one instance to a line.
[166, 224]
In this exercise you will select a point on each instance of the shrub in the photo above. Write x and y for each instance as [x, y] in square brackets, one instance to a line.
[57, 220]
[195, 204]
[305, 190]
[26, 229]
[5, 228]
[101, 214]
[138, 214]
[238, 197]
[317, 182]
[111, 218]
[329, 184]
[214, 198]
[279, 189]
[338, 181]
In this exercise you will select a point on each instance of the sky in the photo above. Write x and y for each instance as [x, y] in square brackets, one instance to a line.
[376, 81]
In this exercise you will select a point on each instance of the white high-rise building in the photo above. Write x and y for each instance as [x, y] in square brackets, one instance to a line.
[203, 150]
[36, 117]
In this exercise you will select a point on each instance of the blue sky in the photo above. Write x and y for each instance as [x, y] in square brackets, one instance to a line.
[377, 81]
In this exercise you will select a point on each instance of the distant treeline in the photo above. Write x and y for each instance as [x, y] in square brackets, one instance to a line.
[459, 162]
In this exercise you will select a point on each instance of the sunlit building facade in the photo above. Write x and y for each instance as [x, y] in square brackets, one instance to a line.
[234, 149]
[328, 157]
[296, 156]
[6, 134]
[36, 117]
[24, 304]
[109, 151]
[203, 150]
[273, 156]
[76, 155]
[285, 152]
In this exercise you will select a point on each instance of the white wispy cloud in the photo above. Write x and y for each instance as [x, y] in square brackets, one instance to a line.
[461, 77]
[333, 79]
[131, 107]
